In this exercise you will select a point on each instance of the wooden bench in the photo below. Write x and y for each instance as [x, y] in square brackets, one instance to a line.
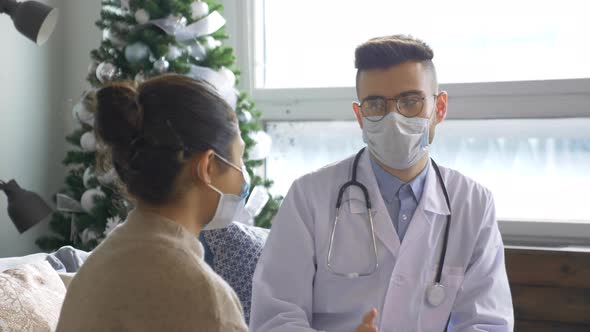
[550, 289]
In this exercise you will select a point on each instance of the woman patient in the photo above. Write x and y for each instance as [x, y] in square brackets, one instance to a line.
[176, 147]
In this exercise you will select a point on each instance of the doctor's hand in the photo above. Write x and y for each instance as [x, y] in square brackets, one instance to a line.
[368, 324]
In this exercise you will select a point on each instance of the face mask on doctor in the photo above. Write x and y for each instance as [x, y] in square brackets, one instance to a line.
[396, 140]
[230, 206]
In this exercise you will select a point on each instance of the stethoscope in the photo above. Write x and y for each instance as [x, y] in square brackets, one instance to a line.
[436, 293]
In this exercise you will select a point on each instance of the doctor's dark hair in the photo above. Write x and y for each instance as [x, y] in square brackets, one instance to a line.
[389, 51]
[150, 130]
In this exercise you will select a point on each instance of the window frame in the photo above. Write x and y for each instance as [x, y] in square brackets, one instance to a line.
[490, 100]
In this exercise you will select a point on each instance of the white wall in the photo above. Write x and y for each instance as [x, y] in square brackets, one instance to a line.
[81, 37]
[30, 124]
[38, 87]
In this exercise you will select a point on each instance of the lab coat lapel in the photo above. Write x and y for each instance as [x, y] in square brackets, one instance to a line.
[412, 257]
[432, 203]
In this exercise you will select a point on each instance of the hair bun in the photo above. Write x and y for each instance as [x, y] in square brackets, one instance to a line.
[118, 114]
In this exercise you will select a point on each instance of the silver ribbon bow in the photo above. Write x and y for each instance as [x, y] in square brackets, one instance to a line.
[224, 86]
[69, 205]
[174, 26]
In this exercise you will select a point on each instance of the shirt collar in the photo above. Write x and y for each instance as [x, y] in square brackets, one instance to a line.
[389, 184]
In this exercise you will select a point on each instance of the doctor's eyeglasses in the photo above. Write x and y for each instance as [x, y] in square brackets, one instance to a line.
[375, 108]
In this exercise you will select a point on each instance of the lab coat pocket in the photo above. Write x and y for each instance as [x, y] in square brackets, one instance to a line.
[353, 253]
[434, 318]
[338, 288]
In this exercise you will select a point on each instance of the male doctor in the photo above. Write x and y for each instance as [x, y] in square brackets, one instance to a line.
[419, 250]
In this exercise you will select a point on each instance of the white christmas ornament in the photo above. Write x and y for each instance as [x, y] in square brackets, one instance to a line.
[136, 52]
[161, 66]
[140, 77]
[229, 75]
[220, 82]
[142, 16]
[88, 176]
[89, 198]
[263, 145]
[88, 235]
[88, 142]
[174, 53]
[82, 114]
[245, 117]
[199, 9]
[211, 43]
[112, 223]
[113, 38]
[108, 178]
[105, 72]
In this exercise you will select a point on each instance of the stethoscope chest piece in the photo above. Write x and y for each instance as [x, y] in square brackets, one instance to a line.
[435, 295]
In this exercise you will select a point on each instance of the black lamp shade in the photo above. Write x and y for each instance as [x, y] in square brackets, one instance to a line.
[33, 19]
[25, 208]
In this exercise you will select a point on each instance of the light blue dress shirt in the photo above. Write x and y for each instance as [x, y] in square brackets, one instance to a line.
[400, 198]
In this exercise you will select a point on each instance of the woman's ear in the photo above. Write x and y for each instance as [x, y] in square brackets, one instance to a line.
[201, 165]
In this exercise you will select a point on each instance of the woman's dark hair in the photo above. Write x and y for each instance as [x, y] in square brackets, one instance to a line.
[150, 130]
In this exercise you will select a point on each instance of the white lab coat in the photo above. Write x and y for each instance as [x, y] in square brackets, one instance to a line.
[294, 291]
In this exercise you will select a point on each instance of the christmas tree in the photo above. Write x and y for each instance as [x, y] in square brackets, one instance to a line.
[141, 39]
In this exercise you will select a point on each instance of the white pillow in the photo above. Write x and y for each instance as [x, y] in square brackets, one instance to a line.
[12, 262]
[31, 297]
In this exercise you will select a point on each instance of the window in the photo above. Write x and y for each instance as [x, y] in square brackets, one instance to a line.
[537, 169]
[296, 152]
[474, 41]
[519, 95]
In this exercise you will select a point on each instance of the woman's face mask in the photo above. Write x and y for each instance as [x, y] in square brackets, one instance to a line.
[230, 206]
